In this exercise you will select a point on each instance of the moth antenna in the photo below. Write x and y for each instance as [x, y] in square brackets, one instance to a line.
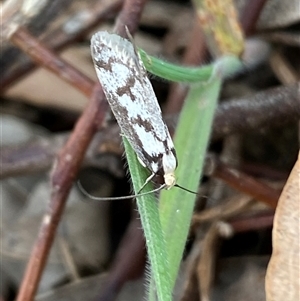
[131, 39]
[147, 181]
[185, 189]
[127, 197]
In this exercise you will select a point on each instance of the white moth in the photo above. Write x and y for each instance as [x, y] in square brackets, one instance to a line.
[133, 102]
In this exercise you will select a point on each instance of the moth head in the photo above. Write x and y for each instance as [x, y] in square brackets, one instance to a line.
[170, 180]
[169, 164]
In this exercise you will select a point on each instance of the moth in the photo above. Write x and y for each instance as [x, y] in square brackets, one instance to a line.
[133, 102]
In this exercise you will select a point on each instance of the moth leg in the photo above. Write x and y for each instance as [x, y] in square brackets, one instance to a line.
[141, 162]
[146, 182]
[148, 179]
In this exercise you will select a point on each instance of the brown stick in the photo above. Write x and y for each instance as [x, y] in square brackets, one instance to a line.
[48, 59]
[129, 260]
[58, 40]
[252, 223]
[96, 14]
[250, 15]
[130, 16]
[235, 116]
[132, 248]
[64, 172]
[242, 182]
[272, 106]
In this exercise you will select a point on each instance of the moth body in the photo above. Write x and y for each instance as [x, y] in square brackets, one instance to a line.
[133, 102]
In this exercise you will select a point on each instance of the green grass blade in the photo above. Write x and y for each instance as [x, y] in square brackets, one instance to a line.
[191, 140]
[155, 241]
[170, 222]
[178, 73]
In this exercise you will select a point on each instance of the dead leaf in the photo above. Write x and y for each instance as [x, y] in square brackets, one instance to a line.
[283, 273]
